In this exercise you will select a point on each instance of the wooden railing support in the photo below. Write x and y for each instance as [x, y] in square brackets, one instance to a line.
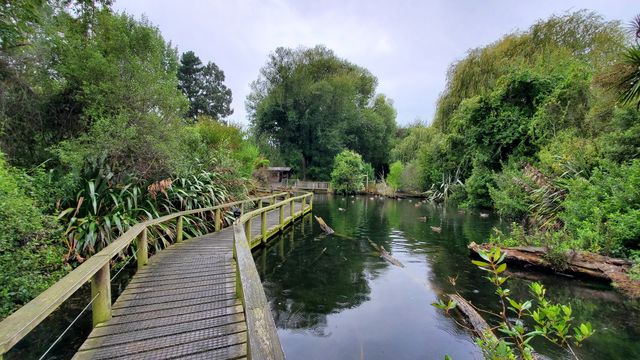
[218, 222]
[304, 202]
[260, 204]
[247, 230]
[101, 293]
[263, 226]
[179, 227]
[143, 249]
[292, 208]
[281, 216]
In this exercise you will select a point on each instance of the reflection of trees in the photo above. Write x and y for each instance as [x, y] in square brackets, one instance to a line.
[308, 277]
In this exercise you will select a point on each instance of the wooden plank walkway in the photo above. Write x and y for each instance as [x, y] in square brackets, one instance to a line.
[183, 304]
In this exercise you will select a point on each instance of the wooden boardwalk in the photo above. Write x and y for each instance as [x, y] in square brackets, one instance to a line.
[183, 304]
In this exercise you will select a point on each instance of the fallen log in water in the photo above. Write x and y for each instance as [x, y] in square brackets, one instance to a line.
[578, 263]
[323, 225]
[385, 254]
[478, 324]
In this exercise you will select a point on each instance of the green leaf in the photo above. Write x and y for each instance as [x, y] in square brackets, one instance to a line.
[480, 263]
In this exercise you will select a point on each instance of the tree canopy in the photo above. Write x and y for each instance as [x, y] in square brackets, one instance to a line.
[310, 104]
[204, 88]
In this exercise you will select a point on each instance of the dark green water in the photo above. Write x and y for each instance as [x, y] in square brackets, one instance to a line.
[333, 298]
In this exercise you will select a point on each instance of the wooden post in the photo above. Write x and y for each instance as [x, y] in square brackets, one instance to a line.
[293, 209]
[260, 204]
[263, 226]
[247, 231]
[281, 216]
[143, 249]
[179, 230]
[218, 219]
[304, 203]
[101, 291]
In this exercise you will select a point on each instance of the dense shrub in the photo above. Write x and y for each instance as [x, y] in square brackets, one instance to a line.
[509, 196]
[394, 176]
[31, 257]
[348, 172]
[602, 213]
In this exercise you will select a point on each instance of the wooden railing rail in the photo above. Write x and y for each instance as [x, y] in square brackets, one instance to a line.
[97, 269]
[262, 337]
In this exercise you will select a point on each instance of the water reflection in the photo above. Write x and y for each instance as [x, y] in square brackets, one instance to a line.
[333, 297]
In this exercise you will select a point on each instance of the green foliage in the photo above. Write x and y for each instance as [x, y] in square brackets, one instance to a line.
[203, 86]
[477, 187]
[17, 20]
[104, 209]
[309, 104]
[509, 196]
[526, 320]
[30, 258]
[410, 177]
[582, 36]
[634, 272]
[630, 82]
[394, 176]
[602, 213]
[348, 172]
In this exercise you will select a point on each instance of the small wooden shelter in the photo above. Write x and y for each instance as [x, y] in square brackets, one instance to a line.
[279, 174]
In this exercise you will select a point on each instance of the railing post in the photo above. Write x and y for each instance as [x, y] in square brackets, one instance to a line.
[304, 203]
[101, 293]
[292, 208]
[281, 216]
[247, 231]
[218, 222]
[179, 230]
[263, 226]
[143, 249]
[260, 204]
[311, 201]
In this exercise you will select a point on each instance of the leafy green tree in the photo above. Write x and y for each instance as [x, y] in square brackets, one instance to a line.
[394, 176]
[348, 172]
[310, 104]
[122, 83]
[204, 88]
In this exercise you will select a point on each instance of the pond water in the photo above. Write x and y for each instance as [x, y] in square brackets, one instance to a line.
[332, 297]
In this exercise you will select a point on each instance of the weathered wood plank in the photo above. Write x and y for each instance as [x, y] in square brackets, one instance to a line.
[262, 338]
[166, 342]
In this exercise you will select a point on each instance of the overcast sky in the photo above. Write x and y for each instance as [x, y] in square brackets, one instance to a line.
[407, 45]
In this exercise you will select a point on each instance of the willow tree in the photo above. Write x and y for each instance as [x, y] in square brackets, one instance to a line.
[310, 104]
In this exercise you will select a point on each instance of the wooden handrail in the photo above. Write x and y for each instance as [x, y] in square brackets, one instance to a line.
[262, 337]
[17, 325]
